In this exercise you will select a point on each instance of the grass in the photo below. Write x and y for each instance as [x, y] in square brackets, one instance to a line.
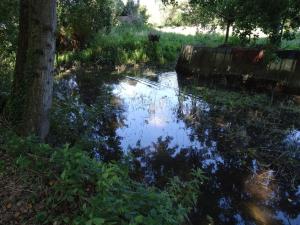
[285, 44]
[291, 44]
[130, 45]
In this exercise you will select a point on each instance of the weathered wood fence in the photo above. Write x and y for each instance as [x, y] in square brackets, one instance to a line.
[241, 67]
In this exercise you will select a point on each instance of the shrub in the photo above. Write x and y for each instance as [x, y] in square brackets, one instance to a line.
[81, 190]
[84, 18]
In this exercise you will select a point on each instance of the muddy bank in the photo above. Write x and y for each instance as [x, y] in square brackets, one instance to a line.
[241, 68]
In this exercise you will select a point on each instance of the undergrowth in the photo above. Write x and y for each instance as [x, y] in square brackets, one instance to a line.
[72, 188]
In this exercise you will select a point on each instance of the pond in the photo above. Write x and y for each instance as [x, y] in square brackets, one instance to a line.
[250, 156]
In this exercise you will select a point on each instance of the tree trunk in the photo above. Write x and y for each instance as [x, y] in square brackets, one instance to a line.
[282, 29]
[33, 79]
[227, 32]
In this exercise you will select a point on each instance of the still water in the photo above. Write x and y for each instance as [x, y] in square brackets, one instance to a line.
[152, 112]
[250, 157]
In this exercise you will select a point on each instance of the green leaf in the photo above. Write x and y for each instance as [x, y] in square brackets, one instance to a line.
[139, 219]
[95, 221]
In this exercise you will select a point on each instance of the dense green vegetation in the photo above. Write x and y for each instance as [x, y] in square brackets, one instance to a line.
[72, 188]
[67, 184]
[128, 44]
[8, 39]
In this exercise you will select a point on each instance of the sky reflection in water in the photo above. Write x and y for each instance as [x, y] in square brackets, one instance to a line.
[240, 191]
[151, 111]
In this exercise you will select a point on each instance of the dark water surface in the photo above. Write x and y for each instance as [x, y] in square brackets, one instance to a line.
[251, 157]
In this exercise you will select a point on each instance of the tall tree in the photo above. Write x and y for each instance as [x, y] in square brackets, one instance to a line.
[214, 12]
[279, 20]
[31, 97]
[224, 12]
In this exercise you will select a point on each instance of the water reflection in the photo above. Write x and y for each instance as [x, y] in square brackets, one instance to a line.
[253, 171]
[85, 113]
[293, 139]
[261, 189]
[151, 112]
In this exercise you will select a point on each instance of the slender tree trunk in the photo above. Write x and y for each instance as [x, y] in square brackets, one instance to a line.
[282, 29]
[33, 79]
[227, 32]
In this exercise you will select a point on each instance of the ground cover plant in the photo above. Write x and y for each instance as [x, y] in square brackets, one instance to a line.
[66, 186]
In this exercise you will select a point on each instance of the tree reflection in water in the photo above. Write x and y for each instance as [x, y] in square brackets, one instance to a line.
[253, 168]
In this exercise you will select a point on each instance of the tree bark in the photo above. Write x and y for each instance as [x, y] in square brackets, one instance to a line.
[33, 79]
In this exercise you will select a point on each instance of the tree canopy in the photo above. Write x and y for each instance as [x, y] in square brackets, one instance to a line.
[281, 19]
[278, 20]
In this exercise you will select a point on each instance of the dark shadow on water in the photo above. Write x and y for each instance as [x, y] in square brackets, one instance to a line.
[251, 156]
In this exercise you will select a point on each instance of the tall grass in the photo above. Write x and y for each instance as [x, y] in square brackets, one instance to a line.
[292, 44]
[130, 45]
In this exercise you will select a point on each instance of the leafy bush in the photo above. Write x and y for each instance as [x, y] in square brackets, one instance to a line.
[80, 190]
[8, 38]
[84, 18]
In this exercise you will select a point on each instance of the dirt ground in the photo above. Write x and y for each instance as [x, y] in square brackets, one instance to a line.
[15, 195]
